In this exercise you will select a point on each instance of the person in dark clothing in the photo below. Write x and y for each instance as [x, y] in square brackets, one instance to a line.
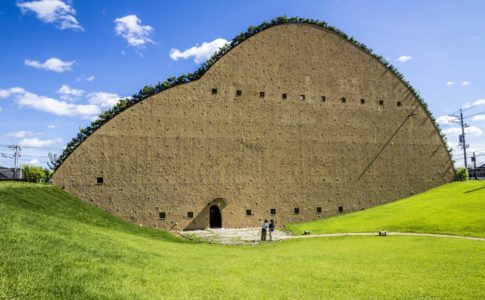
[271, 229]
[264, 229]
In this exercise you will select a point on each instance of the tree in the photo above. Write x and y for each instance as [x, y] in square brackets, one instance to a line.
[53, 161]
[33, 173]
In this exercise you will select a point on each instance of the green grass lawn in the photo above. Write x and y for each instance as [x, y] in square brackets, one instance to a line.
[52, 245]
[454, 208]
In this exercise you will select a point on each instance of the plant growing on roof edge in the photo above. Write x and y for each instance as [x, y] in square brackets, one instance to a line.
[170, 82]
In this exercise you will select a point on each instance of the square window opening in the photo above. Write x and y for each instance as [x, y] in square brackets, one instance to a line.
[340, 209]
[238, 93]
[362, 101]
[319, 210]
[296, 210]
[99, 180]
[214, 91]
[261, 94]
[248, 212]
[343, 100]
[273, 211]
[161, 215]
[302, 97]
[323, 99]
[284, 96]
[399, 103]
[381, 102]
[190, 214]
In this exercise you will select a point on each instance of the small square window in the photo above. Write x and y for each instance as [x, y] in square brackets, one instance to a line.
[190, 214]
[381, 102]
[323, 99]
[238, 93]
[399, 103]
[248, 212]
[319, 210]
[362, 101]
[272, 211]
[214, 91]
[340, 209]
[284, 96]
[343, 99]
[261, 94]
[302, 97]
[161, 215]
[99, 180]
[296, 210]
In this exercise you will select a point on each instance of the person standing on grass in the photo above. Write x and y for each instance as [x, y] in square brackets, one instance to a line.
[271, 229]
[264, 229]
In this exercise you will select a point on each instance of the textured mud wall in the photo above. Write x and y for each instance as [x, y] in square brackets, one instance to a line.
[186, 148]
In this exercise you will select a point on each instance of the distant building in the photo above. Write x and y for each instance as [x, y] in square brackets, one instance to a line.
[480, 172]
[9, 173]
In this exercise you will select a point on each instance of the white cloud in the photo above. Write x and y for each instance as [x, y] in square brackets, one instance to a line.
[130, 28]
[67, 93]
[38, 143]
[24, 98]
[53, 11]
[51, 126]
[200, 53]
[11, 91]
[97, 102]
[450, 83]
[85, 78]
[478, 102]
[466, 82]
[103, 99]
[52, 64]
[446, 120]
[19, 134]
[478, 118]
[404, 58]
[457, 131]
[34, 161]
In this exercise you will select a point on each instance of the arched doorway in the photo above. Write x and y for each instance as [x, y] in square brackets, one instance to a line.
[215, 217]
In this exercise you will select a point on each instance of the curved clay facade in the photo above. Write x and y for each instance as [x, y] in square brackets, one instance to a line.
[293, 124]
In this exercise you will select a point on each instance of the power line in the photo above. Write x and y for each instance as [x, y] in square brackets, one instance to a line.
[31, 147]
[475, 114]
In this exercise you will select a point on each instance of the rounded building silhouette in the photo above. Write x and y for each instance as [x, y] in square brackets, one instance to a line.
[295, 123]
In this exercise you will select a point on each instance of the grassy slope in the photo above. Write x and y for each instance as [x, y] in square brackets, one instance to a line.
[454, 208]
[54, 246]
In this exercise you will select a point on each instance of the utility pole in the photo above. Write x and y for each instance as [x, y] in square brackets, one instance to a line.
[16, 157]
[462, 136]
[474, 160]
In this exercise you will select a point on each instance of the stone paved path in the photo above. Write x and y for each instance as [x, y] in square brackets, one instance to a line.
[251, 236]
[232, 236]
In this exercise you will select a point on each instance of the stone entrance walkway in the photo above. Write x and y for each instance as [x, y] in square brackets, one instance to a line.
[232, 236]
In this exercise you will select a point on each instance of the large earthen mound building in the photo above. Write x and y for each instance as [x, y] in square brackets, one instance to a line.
[295, 123]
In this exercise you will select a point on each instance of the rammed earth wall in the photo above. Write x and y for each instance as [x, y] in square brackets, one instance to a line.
[187, 148]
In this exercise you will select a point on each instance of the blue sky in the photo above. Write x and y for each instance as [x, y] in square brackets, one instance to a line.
[62, 62]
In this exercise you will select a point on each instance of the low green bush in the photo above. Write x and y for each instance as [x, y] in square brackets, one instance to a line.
[461, 174]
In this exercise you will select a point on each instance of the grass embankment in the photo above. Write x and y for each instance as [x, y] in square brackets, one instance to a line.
[52, 245]
[454, 208]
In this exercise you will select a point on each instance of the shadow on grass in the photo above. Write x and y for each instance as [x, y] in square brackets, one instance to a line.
[474, 190]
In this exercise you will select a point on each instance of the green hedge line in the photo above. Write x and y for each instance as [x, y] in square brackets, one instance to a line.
[148, 91]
